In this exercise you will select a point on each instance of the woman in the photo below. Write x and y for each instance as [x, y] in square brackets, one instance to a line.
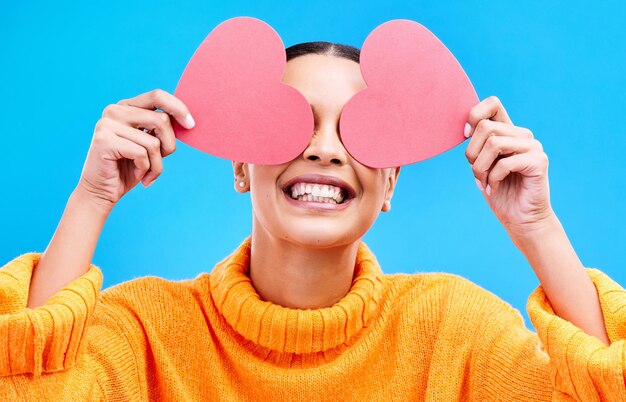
[301, 309]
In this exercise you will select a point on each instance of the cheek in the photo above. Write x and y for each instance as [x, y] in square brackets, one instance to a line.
[261, 195]
[374, 181]
[263, 187]
[263, 178]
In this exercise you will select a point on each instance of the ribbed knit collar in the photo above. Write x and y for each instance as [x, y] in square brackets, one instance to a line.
[295, 330]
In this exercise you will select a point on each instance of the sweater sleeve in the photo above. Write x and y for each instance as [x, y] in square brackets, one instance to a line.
[71, 348]
[580, 365]
[559, 362]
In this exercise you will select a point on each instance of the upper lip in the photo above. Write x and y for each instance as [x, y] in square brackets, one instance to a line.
[321, 179]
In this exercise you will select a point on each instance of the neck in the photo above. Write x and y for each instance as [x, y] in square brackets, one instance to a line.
[298, 276]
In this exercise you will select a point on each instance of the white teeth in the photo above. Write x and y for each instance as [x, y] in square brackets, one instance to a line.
[316, 192]
[311, 198]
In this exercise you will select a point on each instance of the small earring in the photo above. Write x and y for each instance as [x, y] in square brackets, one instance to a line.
[388, 204]
[242, 184]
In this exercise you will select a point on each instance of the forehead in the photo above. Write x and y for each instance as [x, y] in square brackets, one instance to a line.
[324, 78]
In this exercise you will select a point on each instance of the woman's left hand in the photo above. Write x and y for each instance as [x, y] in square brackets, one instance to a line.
[510, 167]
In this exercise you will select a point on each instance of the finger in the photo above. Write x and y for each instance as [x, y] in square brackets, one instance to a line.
[157, 122]
[490, 108]
[147, 141]
[123, 148]
[530, 164]
[488, 128]
[160, 99]
[498, 147]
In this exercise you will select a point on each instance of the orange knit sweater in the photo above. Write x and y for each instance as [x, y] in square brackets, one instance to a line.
[430, 336]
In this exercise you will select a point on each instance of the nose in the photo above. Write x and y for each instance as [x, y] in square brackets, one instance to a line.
[326, 146]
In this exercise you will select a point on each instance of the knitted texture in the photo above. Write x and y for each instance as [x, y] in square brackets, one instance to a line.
[427, 336]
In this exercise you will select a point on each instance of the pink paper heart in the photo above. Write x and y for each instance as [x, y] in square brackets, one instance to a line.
[232, 86]
[416, 103]
[415, 106]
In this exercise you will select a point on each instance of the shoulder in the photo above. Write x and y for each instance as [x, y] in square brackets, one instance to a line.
[442, 284]
[155, 297]
[446, 294]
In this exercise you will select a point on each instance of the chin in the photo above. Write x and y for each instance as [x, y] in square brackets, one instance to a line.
[311, 229]
[321, 235]
[319, 240]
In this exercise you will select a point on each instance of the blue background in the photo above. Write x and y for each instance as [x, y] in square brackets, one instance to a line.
[558, 68]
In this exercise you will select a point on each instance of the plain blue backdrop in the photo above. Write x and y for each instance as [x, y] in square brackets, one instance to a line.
[558, 68]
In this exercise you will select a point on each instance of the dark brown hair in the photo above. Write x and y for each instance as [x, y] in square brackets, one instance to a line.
[323, 48]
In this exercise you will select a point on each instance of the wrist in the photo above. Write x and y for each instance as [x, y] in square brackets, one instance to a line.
[83, 199]
[536, 235]
[535, 231]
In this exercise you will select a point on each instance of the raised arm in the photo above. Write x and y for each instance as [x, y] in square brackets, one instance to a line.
[128, 145]
[71, 249]
[511, 169]
[563, 277]
[60, 341]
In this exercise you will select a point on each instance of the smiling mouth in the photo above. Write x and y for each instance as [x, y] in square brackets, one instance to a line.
[316, 192]
[319, 189]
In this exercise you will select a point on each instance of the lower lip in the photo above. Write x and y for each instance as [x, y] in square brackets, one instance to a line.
[318, 206]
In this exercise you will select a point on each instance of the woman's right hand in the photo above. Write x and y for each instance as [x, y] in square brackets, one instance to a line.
[122, 153]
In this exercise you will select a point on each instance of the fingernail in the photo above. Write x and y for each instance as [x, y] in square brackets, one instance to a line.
[488, 189]
[479, 184]
[467, 130]
[189, 121]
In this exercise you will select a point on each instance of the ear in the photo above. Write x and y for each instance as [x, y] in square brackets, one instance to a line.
[242, 175]
[391, 186]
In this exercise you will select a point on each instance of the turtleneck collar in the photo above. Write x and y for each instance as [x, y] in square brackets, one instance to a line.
[295, 330]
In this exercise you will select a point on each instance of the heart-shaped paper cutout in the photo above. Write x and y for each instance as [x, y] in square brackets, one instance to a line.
[232, 86]
[415, 106]
[416, 102]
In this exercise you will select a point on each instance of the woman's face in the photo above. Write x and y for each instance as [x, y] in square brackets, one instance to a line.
[327, 82]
